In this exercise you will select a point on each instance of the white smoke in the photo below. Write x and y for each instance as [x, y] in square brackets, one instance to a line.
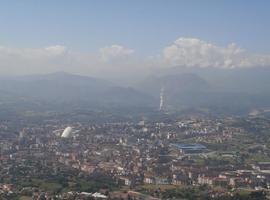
[161, 103]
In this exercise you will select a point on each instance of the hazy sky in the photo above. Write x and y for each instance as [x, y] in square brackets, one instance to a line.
[99, 36]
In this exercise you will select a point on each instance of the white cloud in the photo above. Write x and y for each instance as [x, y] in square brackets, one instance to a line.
[116, 60]
[56, 50]
[32, 60]
[192, 52]
[18, 61]
[114, 51]
[31, 53]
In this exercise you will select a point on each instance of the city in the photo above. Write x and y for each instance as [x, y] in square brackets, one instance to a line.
[136, 159]
[134, 100]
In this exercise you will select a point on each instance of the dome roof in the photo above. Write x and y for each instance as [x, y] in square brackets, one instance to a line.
[67, 132]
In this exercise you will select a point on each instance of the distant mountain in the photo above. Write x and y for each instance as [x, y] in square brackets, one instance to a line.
[215, 90]
[236, 90]
[250, 80]
[173, 84]
[64, 88]
[129, 96]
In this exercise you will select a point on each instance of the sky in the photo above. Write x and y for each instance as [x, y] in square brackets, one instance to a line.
[94, 37]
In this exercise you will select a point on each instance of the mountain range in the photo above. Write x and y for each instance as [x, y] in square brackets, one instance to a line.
[236, 90]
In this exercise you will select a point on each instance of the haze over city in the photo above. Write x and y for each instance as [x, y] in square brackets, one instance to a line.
[134, 100]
